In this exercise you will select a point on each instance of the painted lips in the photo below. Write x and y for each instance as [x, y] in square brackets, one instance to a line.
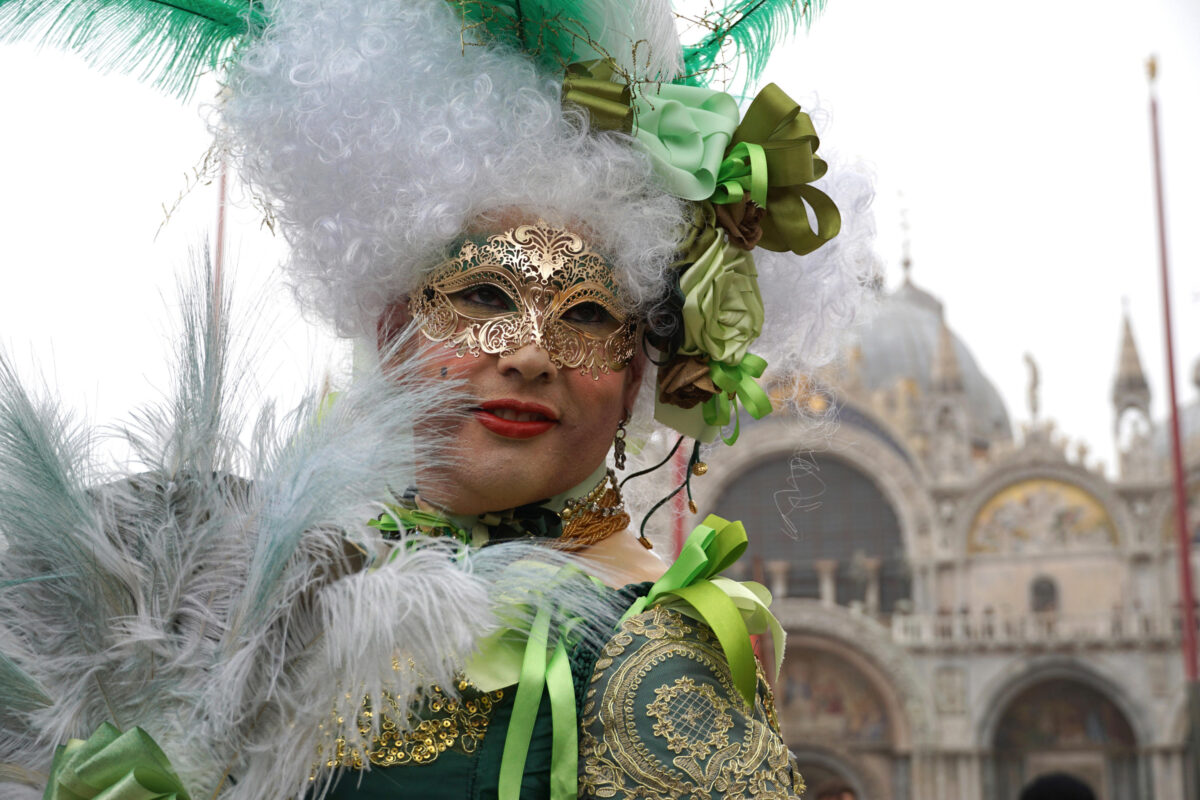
[514, 419]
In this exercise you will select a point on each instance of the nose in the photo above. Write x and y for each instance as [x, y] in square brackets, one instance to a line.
[530, 362]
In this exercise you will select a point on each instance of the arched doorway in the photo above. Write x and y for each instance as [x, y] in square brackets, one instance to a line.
[836, 721]
[805, 511]
[1065, 725]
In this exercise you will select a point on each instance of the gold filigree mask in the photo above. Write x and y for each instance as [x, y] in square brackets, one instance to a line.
[533, 284]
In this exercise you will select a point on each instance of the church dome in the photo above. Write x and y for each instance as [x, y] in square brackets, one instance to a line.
[901, 343]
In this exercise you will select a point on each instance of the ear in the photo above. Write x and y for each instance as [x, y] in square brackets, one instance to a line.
[391, 322]
[633, 378]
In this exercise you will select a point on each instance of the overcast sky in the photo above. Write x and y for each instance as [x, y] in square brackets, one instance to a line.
[1019, 139]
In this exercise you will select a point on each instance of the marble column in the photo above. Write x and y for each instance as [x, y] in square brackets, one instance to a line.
[826, 572]
[777, 577]
[871, 600]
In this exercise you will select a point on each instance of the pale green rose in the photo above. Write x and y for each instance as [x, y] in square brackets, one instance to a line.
[722, 307]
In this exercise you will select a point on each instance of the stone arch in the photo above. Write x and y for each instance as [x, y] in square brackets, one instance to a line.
[898, 480]
[999, 694]
[1011, 474]
[866, 646]
[866, 784]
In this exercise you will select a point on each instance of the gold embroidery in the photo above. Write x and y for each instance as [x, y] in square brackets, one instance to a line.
[534, 284]
[445, 723]
[663, 720]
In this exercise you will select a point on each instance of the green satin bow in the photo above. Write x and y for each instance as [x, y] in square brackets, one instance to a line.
[691, 586]
[111, 765]
[743, 170]
[736, 382]
[609, 105]
[789, 143]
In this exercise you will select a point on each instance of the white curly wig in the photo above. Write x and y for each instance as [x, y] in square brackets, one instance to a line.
[378, 137]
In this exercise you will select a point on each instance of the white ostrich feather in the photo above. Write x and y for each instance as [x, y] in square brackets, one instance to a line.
[236, 619]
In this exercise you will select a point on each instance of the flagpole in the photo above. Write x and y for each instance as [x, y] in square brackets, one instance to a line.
[1186, 592]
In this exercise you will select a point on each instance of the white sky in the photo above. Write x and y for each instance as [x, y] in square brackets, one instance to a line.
[1019, 138]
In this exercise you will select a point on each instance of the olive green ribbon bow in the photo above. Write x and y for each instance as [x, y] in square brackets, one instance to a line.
[736, 382]
[111, 765]
[589, 84]
[731, 609]
[789, 144]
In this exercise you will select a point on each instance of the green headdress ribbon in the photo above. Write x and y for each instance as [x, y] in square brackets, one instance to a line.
[589, 84]
[789, 144]
[736, 382]
[743, 170]
[111, 765]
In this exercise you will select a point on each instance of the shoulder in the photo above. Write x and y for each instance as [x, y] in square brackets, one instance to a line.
[662, 719]
[621, 559]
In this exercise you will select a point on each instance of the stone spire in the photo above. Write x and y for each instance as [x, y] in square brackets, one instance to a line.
[945, 374]
[1130, 390]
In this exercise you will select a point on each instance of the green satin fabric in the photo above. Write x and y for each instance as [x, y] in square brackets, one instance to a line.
[789, 144]
[111, 765]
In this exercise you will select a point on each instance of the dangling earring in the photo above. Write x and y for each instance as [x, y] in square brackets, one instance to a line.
[619, 442]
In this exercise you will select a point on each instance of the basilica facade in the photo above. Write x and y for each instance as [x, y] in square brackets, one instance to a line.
[966, 609]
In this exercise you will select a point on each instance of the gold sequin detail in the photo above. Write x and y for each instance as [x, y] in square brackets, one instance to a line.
[445, 723]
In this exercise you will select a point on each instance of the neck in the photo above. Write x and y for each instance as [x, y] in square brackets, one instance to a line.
[478, 524]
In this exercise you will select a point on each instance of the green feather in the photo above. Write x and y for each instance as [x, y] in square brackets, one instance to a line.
[751, 29]
[18, 691]
[168, 44]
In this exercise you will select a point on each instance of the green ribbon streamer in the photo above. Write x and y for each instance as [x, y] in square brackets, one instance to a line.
[736, 382]
[542, 671]
[743, 170]
[111, 765]
[789, 142]
[711, 548]
[525, 707]
[685, 131]
[609, 105]
[564, 752]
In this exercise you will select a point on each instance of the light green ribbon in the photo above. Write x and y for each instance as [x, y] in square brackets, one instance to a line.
[398, 518]
[685, 131]
[111, 765]
[508, 657]
[736, 382]
[743, 170]
[789, 142]
[692, 586]
[589, 85]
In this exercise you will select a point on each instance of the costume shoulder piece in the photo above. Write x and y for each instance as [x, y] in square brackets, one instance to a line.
[662, 719]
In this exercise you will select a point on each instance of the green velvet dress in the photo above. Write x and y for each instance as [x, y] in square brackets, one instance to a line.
[659, 719]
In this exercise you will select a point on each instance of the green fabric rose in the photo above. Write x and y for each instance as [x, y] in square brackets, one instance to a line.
[722, 307]
[685, 131]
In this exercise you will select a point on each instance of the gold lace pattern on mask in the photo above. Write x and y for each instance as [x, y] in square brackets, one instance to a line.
[540, 276]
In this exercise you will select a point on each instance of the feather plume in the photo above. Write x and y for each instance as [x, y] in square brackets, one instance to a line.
[639, 37]
[750, 29]
[166, 43]
[242, 622]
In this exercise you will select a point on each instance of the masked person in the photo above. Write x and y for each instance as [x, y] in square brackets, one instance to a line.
[541, 228]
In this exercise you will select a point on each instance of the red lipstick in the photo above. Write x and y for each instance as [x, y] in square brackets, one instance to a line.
[514, 419]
